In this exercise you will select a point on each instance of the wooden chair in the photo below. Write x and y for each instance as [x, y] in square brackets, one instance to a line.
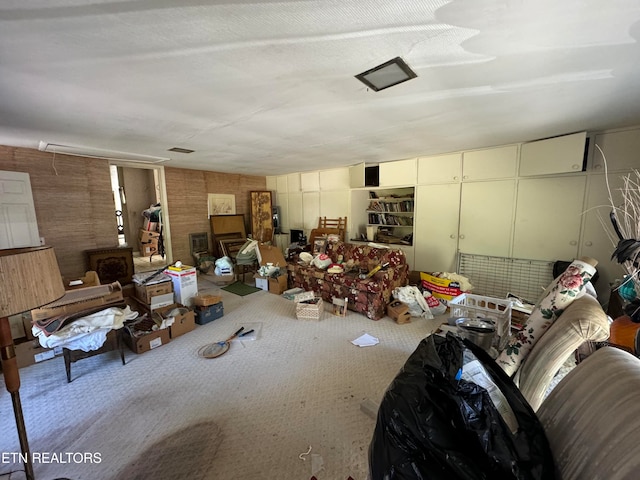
[339, 223]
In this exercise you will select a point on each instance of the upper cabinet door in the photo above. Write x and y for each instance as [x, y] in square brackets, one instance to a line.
[272, 183]
[334, 179]
[548, 217]
[553, 155]
[501, 162]
[310, 181]
[281, 184]
[440, 169]
[356, 176]
[486, 217]
[293, 182]
[398, 173]
[621, 151]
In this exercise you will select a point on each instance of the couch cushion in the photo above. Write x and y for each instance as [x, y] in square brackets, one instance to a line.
[592, 418]
[584, 320]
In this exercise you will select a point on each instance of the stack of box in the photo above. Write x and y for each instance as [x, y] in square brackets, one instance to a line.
[208, 308]
[155, 295]
[148, 242]
[269, 255]
[185, 283]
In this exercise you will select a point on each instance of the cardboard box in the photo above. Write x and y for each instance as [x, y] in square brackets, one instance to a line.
[182, 323]
[145, 293]
[270, 254]
[90, 279]
[147, 236]
[80, 299]
[222, 279]
[209, 314]
[17, 327]
[205, 300]
[159, 301]
[148, 249]
[147, 342]
[261, 282]
[442, 288]
[185, 284]
[31, 352]
[278, 284]
[26, 322]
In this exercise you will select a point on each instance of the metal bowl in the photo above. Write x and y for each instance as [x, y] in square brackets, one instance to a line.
[477, 331]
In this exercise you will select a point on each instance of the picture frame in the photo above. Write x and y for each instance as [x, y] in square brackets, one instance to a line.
[319, 245]
[261, 216]
[221, 204]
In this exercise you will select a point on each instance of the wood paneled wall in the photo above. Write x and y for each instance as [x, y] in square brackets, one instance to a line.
[187, 196]
[73, 202]
[75, 208]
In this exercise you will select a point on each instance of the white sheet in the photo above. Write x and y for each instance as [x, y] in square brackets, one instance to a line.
[87, 333]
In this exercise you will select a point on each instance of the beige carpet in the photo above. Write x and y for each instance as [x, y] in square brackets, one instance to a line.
[250, 414]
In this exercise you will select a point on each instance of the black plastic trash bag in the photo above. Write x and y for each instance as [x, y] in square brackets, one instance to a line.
[434, 425]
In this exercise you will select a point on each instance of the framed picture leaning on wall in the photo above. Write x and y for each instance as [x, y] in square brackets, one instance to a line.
[261, 216]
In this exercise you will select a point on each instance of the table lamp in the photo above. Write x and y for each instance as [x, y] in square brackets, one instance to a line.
[29, 278]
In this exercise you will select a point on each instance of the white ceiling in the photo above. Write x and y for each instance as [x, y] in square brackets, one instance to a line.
[266, 88]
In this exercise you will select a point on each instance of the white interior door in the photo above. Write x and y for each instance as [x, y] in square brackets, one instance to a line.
[18, 225]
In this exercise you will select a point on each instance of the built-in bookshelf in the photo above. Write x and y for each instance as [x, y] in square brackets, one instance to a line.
[392, 213]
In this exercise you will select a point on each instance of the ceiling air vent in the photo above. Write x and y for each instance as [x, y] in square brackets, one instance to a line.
[387, 75]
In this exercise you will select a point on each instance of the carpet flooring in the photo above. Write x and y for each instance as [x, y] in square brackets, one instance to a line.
[283, 405]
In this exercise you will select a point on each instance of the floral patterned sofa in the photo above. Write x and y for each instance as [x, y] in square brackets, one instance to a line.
[368, 296]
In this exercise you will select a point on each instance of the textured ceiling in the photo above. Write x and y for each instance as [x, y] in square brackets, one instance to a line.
[268, 87]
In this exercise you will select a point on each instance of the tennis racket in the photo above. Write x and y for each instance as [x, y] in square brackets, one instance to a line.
[214, 350]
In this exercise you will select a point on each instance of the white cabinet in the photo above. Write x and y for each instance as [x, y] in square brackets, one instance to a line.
[282, 201]
[334, 179]
[293, 182]
[440, 169]
[563, 154]
[296, 218]
[486, 217]
[281, 184]
[272, 183]
[311, 209]
[398, 173]
[310, 181]
[548, 218]
[356, 176]
[334, 204]
[490, 163]
[621, 150]
[436, 227]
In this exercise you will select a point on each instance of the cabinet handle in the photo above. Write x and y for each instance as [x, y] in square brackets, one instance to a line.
[461, 237]
[452, 236]
[575, 167]
[573, 242]
[588, 244]
[465, 177]
[597, 167]
[456, 177]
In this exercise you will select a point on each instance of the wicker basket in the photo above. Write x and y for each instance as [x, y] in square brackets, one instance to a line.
[308, 310]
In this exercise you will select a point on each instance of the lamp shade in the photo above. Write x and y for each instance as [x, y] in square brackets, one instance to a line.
[29, 278]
